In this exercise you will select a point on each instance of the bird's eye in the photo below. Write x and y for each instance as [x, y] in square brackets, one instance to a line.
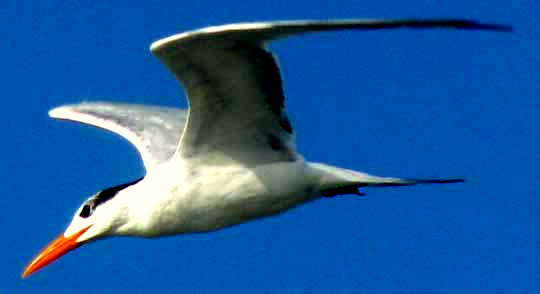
[86, 211]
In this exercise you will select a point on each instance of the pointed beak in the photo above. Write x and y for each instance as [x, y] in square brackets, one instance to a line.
[53, 251]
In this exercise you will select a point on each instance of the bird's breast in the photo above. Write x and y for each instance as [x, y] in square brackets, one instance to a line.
[210, 198]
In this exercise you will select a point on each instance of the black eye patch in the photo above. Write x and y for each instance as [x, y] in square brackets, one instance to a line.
[103, 197]
[86, 211]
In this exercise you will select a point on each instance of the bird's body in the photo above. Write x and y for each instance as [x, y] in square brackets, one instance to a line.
[232, 157]
[204, 198]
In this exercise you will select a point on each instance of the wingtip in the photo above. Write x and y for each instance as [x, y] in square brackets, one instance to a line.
[59, 112]
[468, 24]
[55, 112]
[494, 27]
[445, 181]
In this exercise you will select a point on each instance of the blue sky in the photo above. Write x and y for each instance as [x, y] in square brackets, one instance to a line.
[397, 103]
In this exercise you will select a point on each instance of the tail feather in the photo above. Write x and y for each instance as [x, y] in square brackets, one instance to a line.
[338, 181]
[392, 182]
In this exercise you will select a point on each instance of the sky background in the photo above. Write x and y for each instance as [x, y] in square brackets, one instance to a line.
[395, 103]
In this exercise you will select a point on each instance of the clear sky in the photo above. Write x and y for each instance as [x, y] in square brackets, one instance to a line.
[395, 103]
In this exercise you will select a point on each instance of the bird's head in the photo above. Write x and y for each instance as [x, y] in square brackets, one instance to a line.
[95, 219]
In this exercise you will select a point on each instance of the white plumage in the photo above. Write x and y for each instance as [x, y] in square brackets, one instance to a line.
[232, 156]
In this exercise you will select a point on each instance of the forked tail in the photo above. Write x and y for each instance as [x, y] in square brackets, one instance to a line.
[337, 181]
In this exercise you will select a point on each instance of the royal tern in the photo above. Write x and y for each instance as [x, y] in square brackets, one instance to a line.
[229, 159]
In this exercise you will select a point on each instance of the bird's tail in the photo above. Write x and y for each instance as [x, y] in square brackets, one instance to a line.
[336, 181]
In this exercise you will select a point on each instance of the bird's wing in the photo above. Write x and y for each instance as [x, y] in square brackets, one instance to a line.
[236, 102]
[153, 130]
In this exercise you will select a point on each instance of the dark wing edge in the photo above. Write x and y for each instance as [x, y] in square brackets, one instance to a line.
[234, 85]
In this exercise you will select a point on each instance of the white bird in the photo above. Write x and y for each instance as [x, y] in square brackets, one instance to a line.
[231, 158]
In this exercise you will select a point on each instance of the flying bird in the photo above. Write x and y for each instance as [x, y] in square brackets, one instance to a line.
[231, 156]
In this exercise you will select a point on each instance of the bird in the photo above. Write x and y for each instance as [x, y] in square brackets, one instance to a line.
[231, 157]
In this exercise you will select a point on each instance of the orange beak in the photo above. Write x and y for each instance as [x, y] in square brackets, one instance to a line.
[53, 251]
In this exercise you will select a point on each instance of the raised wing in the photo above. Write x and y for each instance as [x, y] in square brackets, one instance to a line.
[153, 130]
[236, 103]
